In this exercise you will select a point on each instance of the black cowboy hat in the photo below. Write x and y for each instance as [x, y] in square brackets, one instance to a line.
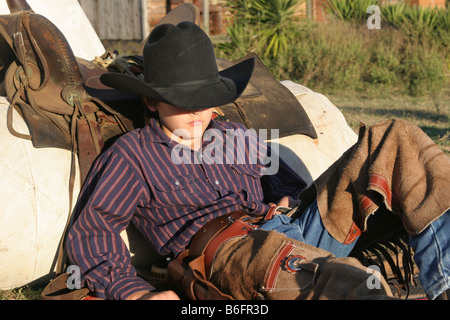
[180, 69]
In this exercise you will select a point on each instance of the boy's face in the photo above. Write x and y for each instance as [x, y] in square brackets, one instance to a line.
[182, 124]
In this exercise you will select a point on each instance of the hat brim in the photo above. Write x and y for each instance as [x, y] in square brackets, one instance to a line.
[230, 86]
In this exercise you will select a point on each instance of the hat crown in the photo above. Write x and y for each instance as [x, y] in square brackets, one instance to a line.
[179, 55]
[180, 69]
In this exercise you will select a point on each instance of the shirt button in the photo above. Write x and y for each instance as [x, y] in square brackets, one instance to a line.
[177, 183]
[217, 182]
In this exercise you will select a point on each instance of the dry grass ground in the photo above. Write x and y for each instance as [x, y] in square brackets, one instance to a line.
[24, 293]
[431, 114]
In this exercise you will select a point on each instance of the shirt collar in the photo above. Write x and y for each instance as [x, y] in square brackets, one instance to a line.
[153, 133]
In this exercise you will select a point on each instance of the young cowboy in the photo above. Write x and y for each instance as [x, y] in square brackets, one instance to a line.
[181, 171]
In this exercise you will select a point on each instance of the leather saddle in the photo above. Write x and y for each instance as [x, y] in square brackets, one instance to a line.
[267, 104]
[42, 80]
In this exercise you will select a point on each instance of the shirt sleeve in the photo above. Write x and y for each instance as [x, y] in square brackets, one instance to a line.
[276, 177]
[105, 207]
[280, 180]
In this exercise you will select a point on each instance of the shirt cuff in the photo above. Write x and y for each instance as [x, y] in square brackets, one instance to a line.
[126, 286]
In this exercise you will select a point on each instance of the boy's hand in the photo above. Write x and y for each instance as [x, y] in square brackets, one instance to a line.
[286, 201]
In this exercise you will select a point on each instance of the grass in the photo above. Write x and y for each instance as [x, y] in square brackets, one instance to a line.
[24, 293]
[431, 114]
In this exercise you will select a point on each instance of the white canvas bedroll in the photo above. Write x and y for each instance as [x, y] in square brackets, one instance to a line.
[34, 201]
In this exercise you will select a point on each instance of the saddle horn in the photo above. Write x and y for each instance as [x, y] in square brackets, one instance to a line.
[18, 6]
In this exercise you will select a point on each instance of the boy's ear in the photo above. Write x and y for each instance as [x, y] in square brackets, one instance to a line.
[150, 104]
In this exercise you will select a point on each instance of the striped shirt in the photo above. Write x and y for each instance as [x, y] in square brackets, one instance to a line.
[168, 192]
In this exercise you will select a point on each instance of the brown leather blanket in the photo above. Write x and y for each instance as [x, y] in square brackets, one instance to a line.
[396, 170]
[394, 165]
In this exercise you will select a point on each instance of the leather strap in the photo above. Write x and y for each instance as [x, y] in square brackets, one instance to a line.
[237, 229]
[282, 209]
[208, 240]
[57, 290]
[204, 236]
[270, 213]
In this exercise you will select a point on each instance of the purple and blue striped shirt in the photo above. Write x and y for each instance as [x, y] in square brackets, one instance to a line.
[168, 193]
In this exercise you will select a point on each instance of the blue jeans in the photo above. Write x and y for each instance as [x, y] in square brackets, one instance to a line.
[431, 247]
[432, 256]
